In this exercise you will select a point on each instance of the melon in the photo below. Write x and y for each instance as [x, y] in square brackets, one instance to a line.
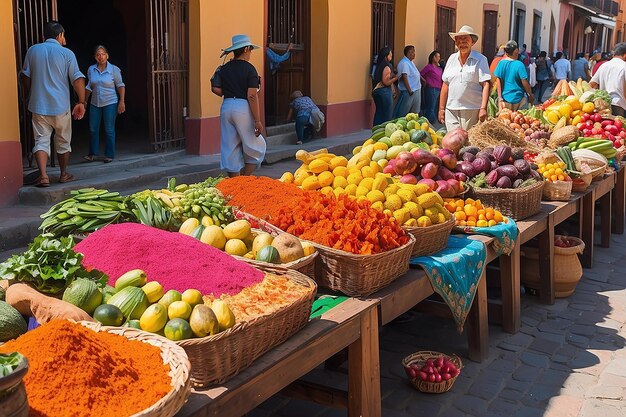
[268, 254]
[84, 294]
[12, 324]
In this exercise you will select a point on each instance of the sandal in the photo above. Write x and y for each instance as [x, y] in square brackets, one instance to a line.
[67, 177]
[42, 182]
[89, 158]
[107, 160]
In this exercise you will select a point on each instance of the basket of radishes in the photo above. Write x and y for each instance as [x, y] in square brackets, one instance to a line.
[432, 372]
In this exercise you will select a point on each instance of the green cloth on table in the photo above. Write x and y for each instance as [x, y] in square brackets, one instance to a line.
[505, 235]
[324, 303]
[454, 273]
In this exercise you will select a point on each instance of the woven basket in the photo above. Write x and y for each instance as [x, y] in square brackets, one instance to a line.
[420, 359]
[214, 359]
[557, 190]
[597, 173]
[173, 356]
[361, 275]
[517, 203]
[432, 239]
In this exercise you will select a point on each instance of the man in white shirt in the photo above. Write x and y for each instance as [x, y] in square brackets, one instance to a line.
[409, 84]
[562, 67]
[466, 84]
[611, 76]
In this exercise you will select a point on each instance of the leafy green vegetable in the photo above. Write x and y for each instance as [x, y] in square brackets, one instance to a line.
[602, 94]
[9, 362]
[49, 264]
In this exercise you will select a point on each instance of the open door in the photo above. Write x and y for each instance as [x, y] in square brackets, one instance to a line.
[288, 21]
[445, 23]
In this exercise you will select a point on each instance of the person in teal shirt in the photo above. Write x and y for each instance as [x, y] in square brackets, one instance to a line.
[512, 80]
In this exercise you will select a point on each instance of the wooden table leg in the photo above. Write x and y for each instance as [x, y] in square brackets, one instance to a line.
[478, 324]
[605, 219]
[364, 370]
[587, 213]
[619, 202]
[546, 266]
[510, 286]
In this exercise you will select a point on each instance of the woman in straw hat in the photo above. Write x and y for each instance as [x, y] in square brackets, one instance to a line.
[237, 81]
[466, 83]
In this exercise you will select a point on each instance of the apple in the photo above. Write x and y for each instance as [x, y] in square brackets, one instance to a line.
[618, 123]
[596, 117]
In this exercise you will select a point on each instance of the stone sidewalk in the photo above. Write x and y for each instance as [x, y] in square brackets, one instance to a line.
[568, 360]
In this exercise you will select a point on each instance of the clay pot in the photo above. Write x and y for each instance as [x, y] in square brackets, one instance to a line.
[567, 268]
[13, 401]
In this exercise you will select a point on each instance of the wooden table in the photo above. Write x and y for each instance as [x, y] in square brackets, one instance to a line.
[412, 289]
[352, 324]
[619, 200]
[599, 191]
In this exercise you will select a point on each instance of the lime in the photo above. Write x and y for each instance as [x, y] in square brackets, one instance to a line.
[108, 315]
[178, 329]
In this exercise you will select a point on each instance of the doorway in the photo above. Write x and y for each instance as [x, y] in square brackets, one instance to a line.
[288, 22]
[490, 33]
[445, 23]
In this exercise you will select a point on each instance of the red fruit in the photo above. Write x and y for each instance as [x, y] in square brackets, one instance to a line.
[622, 134]
[431, 183]
[586, 133]
[589, 123]
[416, 367]
[596, 117]
[437, 378]
[429, 170]
[585, 117]
[422, 375]
[411, 372]
[606, 122]
[439, 362]
[445, 376]
[430, 362]
[580, 125]
[618, 123]
[596, 131]
[432, 378]
[454, 372]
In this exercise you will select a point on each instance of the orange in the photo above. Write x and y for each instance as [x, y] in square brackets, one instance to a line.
[492, 223]
[470, 210]
[489, 215]
[498, 217]
[460, 215]
[481, 217]
[462, 223]
[470, 223]
[471, 219]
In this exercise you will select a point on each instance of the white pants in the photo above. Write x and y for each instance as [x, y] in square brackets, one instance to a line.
[239, 146]
[43, 126]
[461, 118]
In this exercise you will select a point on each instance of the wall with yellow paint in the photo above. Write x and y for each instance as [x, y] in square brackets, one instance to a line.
[9, 127]
[415, 25]
[209, 32]
[319, 51]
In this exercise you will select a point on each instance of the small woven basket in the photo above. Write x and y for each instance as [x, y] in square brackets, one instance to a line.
[215, 359]
[597, 173]
[557, 190]
[432, 239]
[173, 356]
[516, 203]
[420, 359]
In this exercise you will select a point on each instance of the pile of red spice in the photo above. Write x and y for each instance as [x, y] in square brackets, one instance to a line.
[342, 223]
[262, 197]
[74, 371]
[175, 260]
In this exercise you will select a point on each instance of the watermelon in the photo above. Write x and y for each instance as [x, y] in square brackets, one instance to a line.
[84, 294]
[12, 324]
[108, 315]
[268, 254]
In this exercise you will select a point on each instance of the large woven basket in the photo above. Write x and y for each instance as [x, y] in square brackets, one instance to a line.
[173, 356]
[360, 275]
[432, 239]
[420, 358]
[557, 190]
[517, 203]
[214, 359]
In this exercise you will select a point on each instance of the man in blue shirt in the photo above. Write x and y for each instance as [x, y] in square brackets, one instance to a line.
[409, 84]
[512, 79]
[48, 68]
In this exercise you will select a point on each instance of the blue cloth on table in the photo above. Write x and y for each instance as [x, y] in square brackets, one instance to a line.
[454, 273]
[505, 235]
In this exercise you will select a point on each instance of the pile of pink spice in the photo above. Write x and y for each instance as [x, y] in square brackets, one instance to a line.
[175, 260]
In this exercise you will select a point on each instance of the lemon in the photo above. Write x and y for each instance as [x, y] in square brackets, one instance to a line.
[179, 310]
[338, 161]
[235, 247]
[367, 183]
[378, 206]
[361, 191]
[355, 178]
[393, 202]
[368, 172]
[239, 229]
[340, 171]
[351, 189]
[376, 196]
[325, 178]
[308, 248]
[338, 191]
[340, 182]
[224, 314]
[214, 235]
[192, 297]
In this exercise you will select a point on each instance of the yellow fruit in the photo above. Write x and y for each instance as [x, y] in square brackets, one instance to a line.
[311, 183]
[207, 221]
[154, 292]
[552, 116]
[362, 191]
[370, 141]
[415, 210]
[235, 247]
[179, 310]
[338, 161]
[380, 183]
[424, 221]
[367, 183]
[406, 195]
[239, 229]
[420, 189]
[192, 297]
[351, 189]
[357, 150]
[318, 165]
[327, 190]
[432, 214]
[325, 178]
[376, 195]
[367, 172]
[575, 120]
[355, 178]
[388, 212]
[441, 218]
[340, 171]
[301, 176]
[565, 110]
[391, 189]
[308, 248]
[188, 226]
[154, 318]
[287, 177]
[427, 200]
[340, 182]
[382, 163]
[482, 223]
[203, 321]
[214, 236]
[338, 191]
[401, 215]
[261, 240]
[378, 206]
[589, 107]
[380, 146]
[375, 167]
[225, 316]
[410, 223]
[393, 202]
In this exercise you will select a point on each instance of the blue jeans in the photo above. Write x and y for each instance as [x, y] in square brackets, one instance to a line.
[303, 128]
[431, 98]
[108, 115]
[539, 90]
[384, 105]
[408, 104]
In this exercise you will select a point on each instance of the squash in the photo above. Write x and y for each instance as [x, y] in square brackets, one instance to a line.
[133, 278]
[153, 290]
[132, 301]
[268, 254]
[84, 294]
[154, 318]
[289, 247]
[189, 226]
[12, 324]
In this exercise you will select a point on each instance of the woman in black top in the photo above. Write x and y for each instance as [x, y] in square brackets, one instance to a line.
[237, 81]
[383, 79]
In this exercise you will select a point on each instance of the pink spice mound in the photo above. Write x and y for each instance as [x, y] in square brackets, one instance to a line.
[175, 260]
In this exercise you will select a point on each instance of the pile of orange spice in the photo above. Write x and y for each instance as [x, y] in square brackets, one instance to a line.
[342, 223]
[262, 197]
[74, 371]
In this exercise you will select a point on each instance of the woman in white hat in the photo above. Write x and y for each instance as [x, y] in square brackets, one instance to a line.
[237, 81]
[466, 83]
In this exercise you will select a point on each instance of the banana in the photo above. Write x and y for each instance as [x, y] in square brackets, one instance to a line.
[165, 198]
